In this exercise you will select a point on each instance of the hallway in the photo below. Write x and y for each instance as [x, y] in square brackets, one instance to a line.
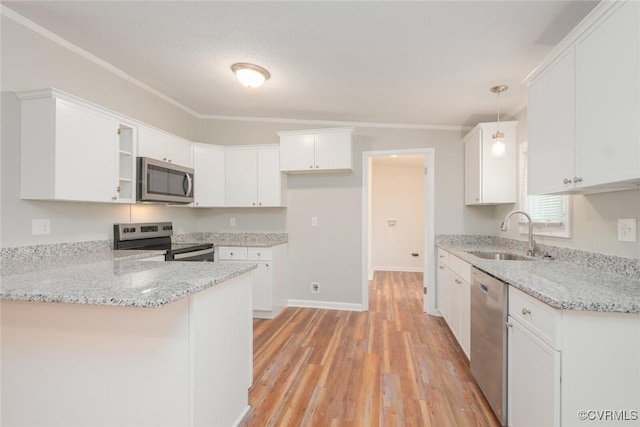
[390, 366]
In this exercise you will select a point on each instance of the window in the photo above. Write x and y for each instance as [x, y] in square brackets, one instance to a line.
[551, 215]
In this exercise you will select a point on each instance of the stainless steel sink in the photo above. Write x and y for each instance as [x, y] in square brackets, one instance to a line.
[500, 256]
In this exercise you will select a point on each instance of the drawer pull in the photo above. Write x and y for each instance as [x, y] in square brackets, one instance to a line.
[526, 311]
[509, 325]
[441, 267]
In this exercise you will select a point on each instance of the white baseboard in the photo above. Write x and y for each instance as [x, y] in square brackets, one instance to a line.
[329, 305]
[409, 269]
[241, 416]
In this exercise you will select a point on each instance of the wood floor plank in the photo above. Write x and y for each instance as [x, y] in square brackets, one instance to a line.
[390, 366]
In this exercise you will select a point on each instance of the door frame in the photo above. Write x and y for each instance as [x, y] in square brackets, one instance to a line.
[428, 263]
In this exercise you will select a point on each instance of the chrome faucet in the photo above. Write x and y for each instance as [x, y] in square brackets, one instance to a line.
[531, 245]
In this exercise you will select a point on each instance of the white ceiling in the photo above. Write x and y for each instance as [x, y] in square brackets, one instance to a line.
[426, 63]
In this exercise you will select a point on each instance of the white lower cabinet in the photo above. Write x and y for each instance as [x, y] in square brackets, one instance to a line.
[269, 279]
[534, 379]
[454, 296]
[571, 368]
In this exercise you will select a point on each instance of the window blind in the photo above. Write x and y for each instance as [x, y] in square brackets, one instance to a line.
[544, 210]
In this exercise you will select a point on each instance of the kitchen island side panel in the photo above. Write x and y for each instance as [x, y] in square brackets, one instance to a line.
[186, 363]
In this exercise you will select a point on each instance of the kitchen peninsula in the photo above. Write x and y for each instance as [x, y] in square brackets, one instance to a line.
[109, 338]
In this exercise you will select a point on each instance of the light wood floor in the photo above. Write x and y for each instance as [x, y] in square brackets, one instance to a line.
[390, 366]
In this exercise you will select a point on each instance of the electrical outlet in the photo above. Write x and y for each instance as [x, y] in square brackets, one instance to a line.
[232, 222]
[315, 287]
[40, 226]
[627, 231]
[314, 221]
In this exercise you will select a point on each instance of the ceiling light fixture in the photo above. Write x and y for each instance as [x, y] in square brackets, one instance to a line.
[498, 147]
[250, 75]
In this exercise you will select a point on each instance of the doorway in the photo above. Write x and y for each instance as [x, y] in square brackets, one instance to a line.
[388, 227]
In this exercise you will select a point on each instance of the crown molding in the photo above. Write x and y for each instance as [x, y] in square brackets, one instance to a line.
[5, 11]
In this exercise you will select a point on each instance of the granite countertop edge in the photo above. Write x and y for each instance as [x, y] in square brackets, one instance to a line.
[18, 283]
[567, 286]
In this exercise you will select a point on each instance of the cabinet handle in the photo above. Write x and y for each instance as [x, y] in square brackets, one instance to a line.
[509, 325]
[231, 254]
[258, 253]
[458, 282]
[567, 181]
[441, 267]
[477, 200]
[266, 265]
[118, 189]
[577, 179]
[526, 311]
[197, 203]
[317, 166]
[310, 167]
[114, 198]
[164, 158]
[169, 160]
[254, 203]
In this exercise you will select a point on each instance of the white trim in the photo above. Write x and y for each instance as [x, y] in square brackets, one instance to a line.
[429, 279]
[401, 269]
[327, 305]
[240, 418]
[335, 122]
[598, 11]
[90, 57]
[118, 72]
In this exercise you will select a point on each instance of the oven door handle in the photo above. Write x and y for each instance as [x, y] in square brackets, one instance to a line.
[187, 177]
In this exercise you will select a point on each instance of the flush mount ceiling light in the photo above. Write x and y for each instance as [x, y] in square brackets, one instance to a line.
[498, 147]
[250, 75]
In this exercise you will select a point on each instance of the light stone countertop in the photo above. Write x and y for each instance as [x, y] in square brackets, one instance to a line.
[249, 240]
[115, 278]
[560, 284]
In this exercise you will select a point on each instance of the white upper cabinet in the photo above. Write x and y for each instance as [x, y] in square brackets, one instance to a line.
[551, 126]
[162, 146]
[318, 150]
[72, 150]
[490, 180]
[253, 177]
[584, 106]
[209, 172]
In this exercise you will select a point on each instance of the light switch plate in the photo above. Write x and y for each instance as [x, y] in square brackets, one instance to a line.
[40, 226]
[232, 222]
[627, 230]
[314, 221]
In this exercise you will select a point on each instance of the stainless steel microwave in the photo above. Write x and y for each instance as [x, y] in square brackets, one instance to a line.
[164, 182]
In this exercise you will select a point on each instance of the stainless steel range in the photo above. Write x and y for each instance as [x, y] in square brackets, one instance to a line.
[157, 236]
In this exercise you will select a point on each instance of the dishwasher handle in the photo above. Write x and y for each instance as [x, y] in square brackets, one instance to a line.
[483, 288]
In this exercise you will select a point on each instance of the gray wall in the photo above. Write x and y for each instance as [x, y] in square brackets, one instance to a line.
[595, 217]
[31, 61]
[331, 253]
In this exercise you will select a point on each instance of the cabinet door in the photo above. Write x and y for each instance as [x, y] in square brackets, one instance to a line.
[241, 172]
[608, 99]
[297, 153]
[444, 292]
[209, 170]
[472, 169]
[269, 179]
[333, 151]
[152, 144]
[179, 152]
[551, 127]
[534, 379]
[86, 154]
[465, 317]
[454, 320]
[262, 285]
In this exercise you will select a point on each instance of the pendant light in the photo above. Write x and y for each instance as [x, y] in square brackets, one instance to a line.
[250, 75]
[498, 147]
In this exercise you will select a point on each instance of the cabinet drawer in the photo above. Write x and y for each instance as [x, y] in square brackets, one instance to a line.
[232, 253]
[541, 319]
[460, 267]
[443, 257]
[259, 254]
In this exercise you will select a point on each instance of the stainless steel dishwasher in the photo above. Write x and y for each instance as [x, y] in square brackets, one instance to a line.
[489, 339]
